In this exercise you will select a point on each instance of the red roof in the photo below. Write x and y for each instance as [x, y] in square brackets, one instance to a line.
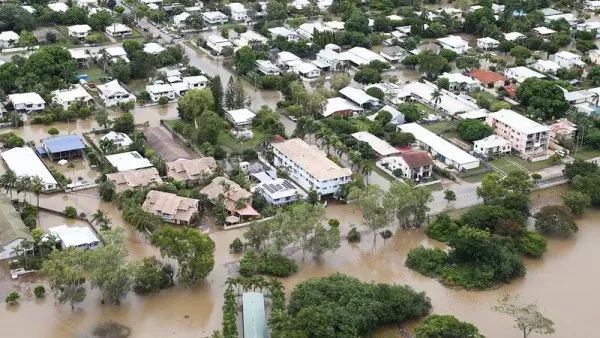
[487, 76]
[404, 149]
[511, 90]
[278, 138]
[416, 159]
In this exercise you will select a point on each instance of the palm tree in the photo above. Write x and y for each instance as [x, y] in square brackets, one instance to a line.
[21, 185]
[35, 186]
[436, 98]
[108, 146]
[9, 180]
[367, 168]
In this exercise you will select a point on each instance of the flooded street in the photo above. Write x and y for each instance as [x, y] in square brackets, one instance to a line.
[561, 283]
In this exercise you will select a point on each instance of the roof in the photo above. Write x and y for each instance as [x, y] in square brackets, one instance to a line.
[338, 25]
[280, 188]
[488, 40]
[135, 178]
[562, 126]
[63, 143]
[453, 41]
[253, 36]
[214, 15]
[153, 48]
[380, 146]
[441, 146]
[287, 56]
[512, 36]
[544, 30]
[524, 72]
[394, 51]
[567, 55]
[74, 236]
[487, 76]
[120, 139]
[281, 31]
[58, 7]
[578, 95]
[306, 67]
[79, 28]
[518, 121]
[79, 54]
[182, 208]
[159, 88]
[416, 159]
[339, 104]
[118, 27]
[228, 189]
[116, 51]
[181, 17]
[25, 163]
[393, 111]
[11, 227]
[548, 65]
[243, 115]
[9, 36]
[549, 11]
[357, 96]
[474, 114]
[313, 160]
[75, 93]
[362, 56]
[448, 101]
[255, 323]
[128, 161]
[458, 78]
[111, 88]
[26, 98]
[492, 141]
[184, 169]
[164, 144]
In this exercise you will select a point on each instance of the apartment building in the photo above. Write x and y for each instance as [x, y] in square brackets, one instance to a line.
[525, 136]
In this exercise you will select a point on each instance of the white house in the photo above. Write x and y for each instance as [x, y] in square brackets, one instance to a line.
[487, 43]
[24, 162]
[522, 73]
[114, 54]
[280, 191]
[118, 29]
[179, 20]
[335, 25]
[58, 7]
[591, 5]
[544, 32]
[238, 11]
[289, 35]
[546, 66]
[214, 18]
[249, 38]
[414, 165]
[76, 94]
[287, 59]
[310, 167]
[379, 146]
[157, 91]
[359, 97]
[119, 139]
[8, 39]
[27, 102]
[359, 56]
[514, 36]
[594, 56]
[196, 82]
[590, 26]
[79, 31]
[492, 146]
[113, 94]
[29, 9]
[128, 161]
[340, 106]
[81, 56]
[455, 43]
[333, 59]
[306, 30]
[217, 43]
[240, 117]
[394, 53]
[568, 59]
[266, 67]
[570, 18]
[153, 48]
[307, 70]
[78, 237]
[460, 82]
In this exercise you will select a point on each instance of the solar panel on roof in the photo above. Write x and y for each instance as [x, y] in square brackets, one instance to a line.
[288, 185]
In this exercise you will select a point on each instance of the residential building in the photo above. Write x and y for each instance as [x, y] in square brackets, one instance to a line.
[157, 91]
[81, 56]
[514, 36]
[492, 146]
[238, 12]
[153, 48]
[254, 314]
[397, 116]
[332, 58]
[580, 96]
[24, 162]
[526, 136]
[340, 106]
[454, 43]
[307, 70]
[237, 200]
[58, 7]
[335, 25]
[394, 53]
[180, 19]
[431, 47]
[240, 117]
[287, 59]
[8, 39]
[568, 17]
[594, 56]
[300, 4]
[441, 149]
[415, 165]
[62, 147]
[196, 82]
[393, 93]
[591, 5]
[450, 103]
[479, 114]
[359, 56]
[287, 34]
[112, 94]
[379, 146]
[214, 18]
[82, 238]
[165, 144]
[280, 191]
[590, 26]
[546, 66]
[544, 32]
[79, 31]
[12, 230]
[359, 97]
[131, 179]
[306, 30]
[191, 171]
[172, 208]
[27, 102]
[113, 54]
[521, 74]
[568, 59]
[488, 79]
[217, 43]
[118, 29]
[130, 160]
[549, 11]
[459, 82]
[310, 167]
[267, 67]
[121, 140]
[487, 43]
[562, 129]
[249, 38]
[75, 95]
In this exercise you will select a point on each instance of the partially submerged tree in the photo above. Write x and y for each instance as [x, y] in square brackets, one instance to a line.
[528, 319]
[370, 202]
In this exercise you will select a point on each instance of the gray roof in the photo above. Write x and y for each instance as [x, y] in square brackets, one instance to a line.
[11, 226]
[164, 144]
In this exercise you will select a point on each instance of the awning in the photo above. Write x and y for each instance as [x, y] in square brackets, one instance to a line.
[41, 150]
[232, 219]
[262, 176]
[248, 210]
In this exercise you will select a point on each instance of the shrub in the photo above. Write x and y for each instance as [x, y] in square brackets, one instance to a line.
[469, 276]
[12, 298]
[334, 222]
[442, 228]
[152, 275]
[236, 246]
[39, 291]
[532, 244]
[248, 264]
[353, 235]
[428, 262]
[70, 212]
[386, 234]
[163, 100]
[276, 265]
[555, 219]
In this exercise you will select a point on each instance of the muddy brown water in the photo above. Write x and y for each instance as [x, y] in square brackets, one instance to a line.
[563, 283]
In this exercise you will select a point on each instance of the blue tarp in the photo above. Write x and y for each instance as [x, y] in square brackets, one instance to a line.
[63, 143]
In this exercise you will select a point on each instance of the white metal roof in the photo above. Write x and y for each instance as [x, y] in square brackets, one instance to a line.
[544, 30]
[305, 67]
[458, 78]
[79, 54]
[128, 161]
[75, 93]
[548, 65]
[26, 98]
[491, 142]
[287, 56]
[181, 17]
[281, 31]
[358, 96]
[241, 115]
[58, 7]
[336, 104]
[379, 146]
[567, 55]
[116, 51]
[120, 139]
[362, 56]
[153, 48]
[117, 27]
[74, 236]
[112, 87]
[280, 188]
[79, 28]
[512, 36]
[453, 41]
[159, 88]
[9, 36]
[522, 73]
[518, 121]
[25, 163]
[474, 114]
[189, 80]
[488, 40]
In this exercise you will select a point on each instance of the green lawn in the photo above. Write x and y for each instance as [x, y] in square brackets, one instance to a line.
[424, 107]
[535, 166]
[434, 187]
[94, 73]
[227, 141]
[361, 124]
[586, 154]
[441, 126]
[504, 165]
[137, 86]
[475, 178]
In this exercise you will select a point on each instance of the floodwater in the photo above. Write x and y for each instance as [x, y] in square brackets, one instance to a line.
[562, 282]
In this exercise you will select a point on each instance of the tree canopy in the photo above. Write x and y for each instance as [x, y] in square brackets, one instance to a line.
[446, 326]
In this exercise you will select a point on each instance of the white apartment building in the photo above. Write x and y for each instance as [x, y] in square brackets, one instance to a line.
[27, 102]
[492, 146]
[214, 18]
[79, 31]
[568, 59]
[238, 11]
[487, 43]
[525, 136]
[112, 94]
[455, 43]
[267, 67]
[309, 166]
[157, 91]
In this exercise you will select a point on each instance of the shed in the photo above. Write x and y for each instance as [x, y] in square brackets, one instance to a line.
[67, 146]
[255, 323]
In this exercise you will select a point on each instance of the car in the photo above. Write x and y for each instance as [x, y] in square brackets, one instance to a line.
[293, 118]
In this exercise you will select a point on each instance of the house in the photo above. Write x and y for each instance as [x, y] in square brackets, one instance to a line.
[82, 238]
[254, 315]
[121, 140]
[118, 29]
[431, 47]
[492, 146]
[460, 82]
[214, 18]
[579, 96]
[562, 129]
[379, 146]
[544, 32]
[359, 56]
[448, 102]
[24, 162]
[487, 43]
[287, 59]
[489, 79]
[306, 30]
[196, 82]
[591, 5]
[546, 66]
[113, 54]
[238, 12]
[441, 149]
[180, 19]
[191, 171]
[79, 31]
[58, 7]
[397, 116]
[8, 39]
[27, 102]
[13, 231]
[266, 67]
[568, 59]
[414, 165]
[310, 167]
[306, 70]
[340, 106]
[240, 117]
[334, 60]
[81, 56]
[514, 36]
[287, 34]
[393, 53]
[172, 208]
[153, 48]
[87, 3]
[112, 94]
[217, 43]
[570, 18]
[521, 74]
[526, 136]
[454, 43]
[75, 95]
[359, 97]
[62, 147]
[393, 93]
[131, 179]
[549, 11]
[280, 191]
[179, 88]
[249, 38]
[130, 160]
[335, 25]
[594, 56]
[157, 91]
[237, 200]
[589, 26]
[478, 114]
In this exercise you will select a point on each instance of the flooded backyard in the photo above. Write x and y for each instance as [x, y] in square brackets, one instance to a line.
[561, 282]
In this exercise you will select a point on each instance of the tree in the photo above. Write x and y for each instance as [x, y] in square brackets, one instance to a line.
[357, 21]
[432, 64]
[195, 21]
[555, 219]
[194, 103]
[209, 127]
[376, 92]
[313, 197]
[39, 291]
[577, 202]
[152, 275]
[102, 118]
[124, 124]
[236, 246]
[240, 95]
[408, 203]
[467, 62]
[107, 190]
[12, 298]
[449, 196]
[410, 111]
[581, 168]
[367, 75]
[448, 54]
[339, 81]
[446, 326]
[53, 131]
[193, 250]
[520, 52]
[108, 146]
[244, 60]
[594, 76]
[27, 39]
[544, 97]
[276, 11]
[64, 269]
[216, 88]
[443, 83]
[527, 317]
[100, 20]
[121, 70]
[511, 192]
[70, 212]
[473, 130]
[436, 98]
[17, 19]
[370, 202]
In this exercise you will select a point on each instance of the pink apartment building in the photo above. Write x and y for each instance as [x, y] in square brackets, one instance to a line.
[526, 136]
